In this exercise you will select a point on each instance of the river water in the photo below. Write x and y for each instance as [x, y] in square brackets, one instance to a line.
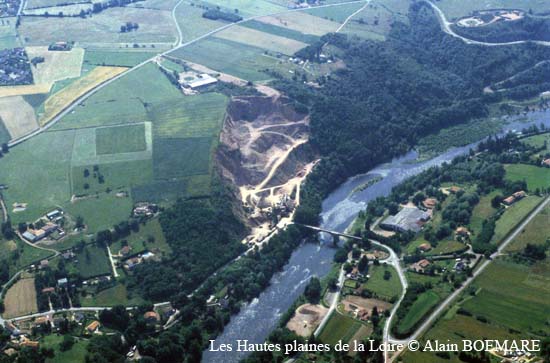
[258, 318]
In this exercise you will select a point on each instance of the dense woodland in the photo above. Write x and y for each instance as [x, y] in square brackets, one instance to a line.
[390, 94]
[527, 28]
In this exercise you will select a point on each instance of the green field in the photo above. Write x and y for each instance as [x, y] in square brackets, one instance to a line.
[248, 7]
[537, 177]
[537, 232]
[422, 305]
[513, 216]
[280, 31]
[93, 261]
[102, 211]
[447, 247]
[75, 354]
[116, 295]
[4, 134]
[482, 211]
[115, 58]
[120, 139]
[385, 289]
[336, 13]
[8, 33]
[339, 327]
[192, 24]
[538, 140]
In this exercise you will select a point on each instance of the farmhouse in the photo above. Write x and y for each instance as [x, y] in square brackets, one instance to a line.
[43, 264]
[60, 46]
[408, 219]
[151, 317]
[546, 162]
[514, 198]
[425, 247]
[420, 266]
[62, 282]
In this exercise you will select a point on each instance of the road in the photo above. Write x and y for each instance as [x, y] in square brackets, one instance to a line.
[180, 45]
[446, 303]
[446, 27]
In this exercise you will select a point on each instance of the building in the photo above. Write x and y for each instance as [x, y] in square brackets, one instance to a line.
[54, 214]
[429, 203]
[44, 264]
[29, 236]
[514, 198]
[409, 219]
[202, 80]
[546, 162]
[125, 251]
[48, 290]
[151, 317]
[425, 247]
[93, 326]
[420, 266]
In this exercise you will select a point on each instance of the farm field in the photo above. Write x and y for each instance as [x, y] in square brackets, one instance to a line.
[537, 232]
[339, 327]
[248, 7]
[101, 211]
[513, 216]
[260, 39]
[92, 262]
[538, 140]
[446, 247]
[454, 9]
[29, 89]
[139, 242]
[535, 176]
[4, 134]
[422, 305]
[230, 57]
[155, 27]
[116, 58]
[56, 65]
[155, 4]
[280, 30]
[120, 139]
[303, 21]
[192, 23]
[62, 99]
[18, 116]
[20, 299]
[336, 13]
[482, 211]
[374, 21]
[8, 34]
[386, 289]
[67, 10]
[32, 4]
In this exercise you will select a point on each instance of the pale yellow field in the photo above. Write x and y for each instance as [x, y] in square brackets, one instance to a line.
[24, 90]
[302, 22]
[261, 40]
[18, 116]
[56, 66]
[20, 299]
[62, 99]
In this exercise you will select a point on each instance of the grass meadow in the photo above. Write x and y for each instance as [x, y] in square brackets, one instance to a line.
[537, 177]
[93, 261]
[339, 327]
[385, 289]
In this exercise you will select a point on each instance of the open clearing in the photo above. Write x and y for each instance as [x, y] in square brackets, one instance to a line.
[64, 98]
[537, 232]
[306, 319]
[421, 306]
[513, 216]
[20, 299]
[191, 22]
[116, 58]
[260, 39]
[8, 34]
[18, 116]
[57, 65]
[339, 327]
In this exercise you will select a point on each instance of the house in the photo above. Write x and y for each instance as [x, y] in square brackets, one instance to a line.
[420, 266]
[454, 189]
[29, 236]
[44, 264]
[546, 162]
[425, 247]
[514, 197]
[408, 219]
[49, 228]
[462, 231]
[519, 195]
[53, 214]
[26, 342]
[47, 290]
[363, 315]
[68, 255]
[78, 317]
[41, 320]
[93, 326]
[429, 203]
[509, 201]
[10, 351]
[62, 282]
[151, 317]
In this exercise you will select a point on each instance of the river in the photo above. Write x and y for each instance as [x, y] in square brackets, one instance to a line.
[257, 319]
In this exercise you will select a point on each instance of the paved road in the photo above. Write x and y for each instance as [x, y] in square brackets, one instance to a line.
[446, 27]
[445, 304]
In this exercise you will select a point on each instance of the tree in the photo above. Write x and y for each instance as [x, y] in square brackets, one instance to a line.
[313, 290]
[5, 148]
[387, 275]
[340, 256]
[67, 343]
[363, 264]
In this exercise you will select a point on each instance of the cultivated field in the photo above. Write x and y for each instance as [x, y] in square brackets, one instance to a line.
[537, 232]
[260, 39]
[192, 23]
[63, 99]
[120, 139]
[422, 305]
[56, 66]
[8, 34]
[20, 299]
[280, 30]
[248, 7]
[18, 116]
[116, 58]
[30, 89]
[31, 4]
[4, 134]
[513, 216]
[67, 10]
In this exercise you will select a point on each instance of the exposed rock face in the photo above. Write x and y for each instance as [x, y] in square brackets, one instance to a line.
[258, 133]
